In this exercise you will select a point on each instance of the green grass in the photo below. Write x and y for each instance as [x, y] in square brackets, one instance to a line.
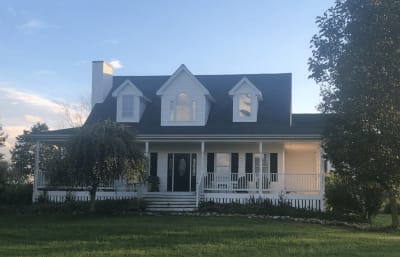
[56, 235]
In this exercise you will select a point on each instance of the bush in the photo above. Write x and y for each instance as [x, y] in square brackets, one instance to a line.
[107, 207]
[349, 198]
[259, 207]
[16, 195]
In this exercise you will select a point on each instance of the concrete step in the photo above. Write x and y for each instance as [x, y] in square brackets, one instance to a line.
[170, 201]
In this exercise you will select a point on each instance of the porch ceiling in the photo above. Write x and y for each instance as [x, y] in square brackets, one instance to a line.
[303, 146]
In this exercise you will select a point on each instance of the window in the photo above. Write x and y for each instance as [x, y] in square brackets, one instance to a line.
[244, 105]
[127, 106]
[223, 163]
[184, 109]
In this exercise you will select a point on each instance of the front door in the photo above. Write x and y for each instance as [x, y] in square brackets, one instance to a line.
[181, 172]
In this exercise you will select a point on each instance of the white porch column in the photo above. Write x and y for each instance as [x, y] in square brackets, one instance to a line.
[35, 193]
[200, 178]
[147, 155]
[283, 170]
[144, 186]
[146, 148]
[260, 150]
[322, 177]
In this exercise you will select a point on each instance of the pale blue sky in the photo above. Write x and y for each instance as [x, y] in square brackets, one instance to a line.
[47, 46]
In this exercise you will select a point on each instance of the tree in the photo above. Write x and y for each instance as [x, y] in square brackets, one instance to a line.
[74, 115]
[3, 138]
[23, 153]
[98, 154]
[356, 60]
[3, 163]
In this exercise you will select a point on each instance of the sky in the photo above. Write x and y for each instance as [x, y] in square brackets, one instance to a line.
[47, 47]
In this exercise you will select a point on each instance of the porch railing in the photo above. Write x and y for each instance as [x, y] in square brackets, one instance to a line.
[269, 182]
[118, 184]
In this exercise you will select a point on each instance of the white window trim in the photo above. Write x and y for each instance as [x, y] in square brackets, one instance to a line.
[255, 96]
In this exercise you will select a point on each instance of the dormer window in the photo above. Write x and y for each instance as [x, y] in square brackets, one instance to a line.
[245, 105]
[183, 109]
[245, 96]
[127, 106]
[184, 100]
[131, 102]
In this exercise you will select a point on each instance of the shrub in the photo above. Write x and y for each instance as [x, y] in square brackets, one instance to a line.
[16, 194]
[107, 207]
[348, 197]
[259, 207]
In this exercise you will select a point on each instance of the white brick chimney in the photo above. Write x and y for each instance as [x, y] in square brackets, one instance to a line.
[102, 79]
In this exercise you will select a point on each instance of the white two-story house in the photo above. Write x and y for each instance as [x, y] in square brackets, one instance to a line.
[216, 138]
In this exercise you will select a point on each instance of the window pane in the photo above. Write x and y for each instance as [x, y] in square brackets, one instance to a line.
[223, 163]
[193, 110]
[171, 110]
[244, 105]
[127, 106]
[183, 107]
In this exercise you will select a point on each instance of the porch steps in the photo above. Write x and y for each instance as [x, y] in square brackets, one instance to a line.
[170, 201]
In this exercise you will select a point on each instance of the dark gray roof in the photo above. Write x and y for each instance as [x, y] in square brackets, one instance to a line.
[274, 114]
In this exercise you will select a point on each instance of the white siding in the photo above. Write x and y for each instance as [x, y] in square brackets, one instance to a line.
[184, 84]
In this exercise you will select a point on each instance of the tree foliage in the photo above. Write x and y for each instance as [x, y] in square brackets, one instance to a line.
[356, 60]
[99, 154]
[3, 138]
[23, 153]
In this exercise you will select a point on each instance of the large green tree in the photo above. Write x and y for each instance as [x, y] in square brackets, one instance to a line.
[23, 153]
[98, 154]
[356, 60]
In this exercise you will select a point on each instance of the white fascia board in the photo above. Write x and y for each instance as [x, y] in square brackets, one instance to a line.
[184, 69]
[128, 83]
[246, 81]
[230, 138]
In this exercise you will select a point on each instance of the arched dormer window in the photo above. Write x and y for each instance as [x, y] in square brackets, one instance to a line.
[184, 108]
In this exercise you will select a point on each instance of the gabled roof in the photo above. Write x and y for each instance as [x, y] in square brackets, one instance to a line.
[184, 69]
[274, 114]
[246, 81]
[274, 121]
[128, 83]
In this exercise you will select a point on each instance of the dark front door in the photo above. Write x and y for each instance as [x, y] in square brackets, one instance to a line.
[182, 172]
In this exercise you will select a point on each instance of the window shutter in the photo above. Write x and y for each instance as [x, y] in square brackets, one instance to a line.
[169, 172]
[210, 162]
[249, 163]
[153, 164]
[234, 163]
[273, 162]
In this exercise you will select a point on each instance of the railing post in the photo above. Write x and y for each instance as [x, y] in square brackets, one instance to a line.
[36, 172]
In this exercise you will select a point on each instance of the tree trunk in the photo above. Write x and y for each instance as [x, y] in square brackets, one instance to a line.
[395, 212]
[92, 193]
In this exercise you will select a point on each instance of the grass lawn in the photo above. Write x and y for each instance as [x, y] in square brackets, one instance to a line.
[56, 235]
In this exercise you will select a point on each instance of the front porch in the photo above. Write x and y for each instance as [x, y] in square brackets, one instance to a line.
[229, 171]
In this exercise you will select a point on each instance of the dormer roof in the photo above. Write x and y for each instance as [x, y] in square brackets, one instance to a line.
[246, 82]
[128, 83]
[184, 69]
